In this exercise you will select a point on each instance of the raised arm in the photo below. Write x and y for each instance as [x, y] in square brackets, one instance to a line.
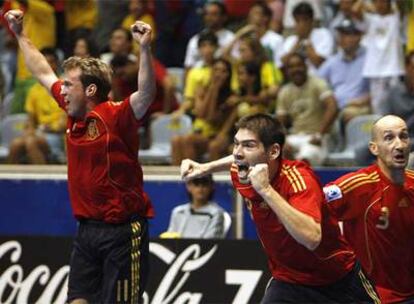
[35, 61]
[142, 99]
[191, 169]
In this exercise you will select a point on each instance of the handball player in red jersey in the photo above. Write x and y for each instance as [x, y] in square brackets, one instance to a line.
[309, 260]
[376, 205]
[109, 260]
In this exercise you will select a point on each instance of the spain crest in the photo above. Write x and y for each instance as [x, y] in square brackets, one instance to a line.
[93, 130]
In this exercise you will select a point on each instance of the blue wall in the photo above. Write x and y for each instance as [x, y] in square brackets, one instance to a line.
[41, 207]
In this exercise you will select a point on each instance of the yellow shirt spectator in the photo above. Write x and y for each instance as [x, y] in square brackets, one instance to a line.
[80, 14]
[45, 109]
[196, 78]
[270, 75]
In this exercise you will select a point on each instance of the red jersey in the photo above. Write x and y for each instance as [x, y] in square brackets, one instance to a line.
[379, 224]
[104, 177]
[288, 260]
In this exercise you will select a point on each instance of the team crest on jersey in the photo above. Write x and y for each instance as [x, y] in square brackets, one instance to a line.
[93, 130]
[332, 192]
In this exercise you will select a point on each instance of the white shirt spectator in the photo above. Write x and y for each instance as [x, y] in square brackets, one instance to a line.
[321, 40]
[192, 56]
[273, 44]
[384, 47]
[289, 21]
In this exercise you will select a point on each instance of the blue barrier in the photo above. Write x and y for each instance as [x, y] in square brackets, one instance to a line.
[41, 206]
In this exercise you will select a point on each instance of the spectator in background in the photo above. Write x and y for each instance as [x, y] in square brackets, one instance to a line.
[43, 139]
[277, 8]
[315, 44]
[343, 72]
[85, 47]
[120, 44]
[307, 107]
[201, 218]
[139, 10]
[289, 17]
[80, 20]
[199, 76]
[177, 21]
[110, 16]
[252, 51]
[258, 22]
[345, 12]
[211, 113]
[384, 62]
[214, 17]
[399, 99]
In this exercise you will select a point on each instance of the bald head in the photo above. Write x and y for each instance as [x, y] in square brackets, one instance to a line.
[386, 123]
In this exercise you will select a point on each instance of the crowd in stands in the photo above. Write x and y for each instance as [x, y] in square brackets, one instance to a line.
[315, 64]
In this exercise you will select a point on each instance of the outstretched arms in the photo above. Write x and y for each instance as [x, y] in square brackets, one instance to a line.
[35, 61]
[142, 99]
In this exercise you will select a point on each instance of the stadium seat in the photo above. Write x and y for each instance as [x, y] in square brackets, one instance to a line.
[11, 127]
[162, 129]
[357, 135]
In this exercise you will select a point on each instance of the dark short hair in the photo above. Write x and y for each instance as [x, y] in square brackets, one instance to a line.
[207, 36]
[303, 9]
[219, 4]
[298, 55]
[268, 129]
[265, 9]
[204, 180]
[127, 33]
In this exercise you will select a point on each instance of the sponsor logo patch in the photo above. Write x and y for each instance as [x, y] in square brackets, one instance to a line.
[332, 192]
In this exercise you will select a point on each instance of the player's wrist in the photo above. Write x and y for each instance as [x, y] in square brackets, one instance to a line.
[265, 191]
[145, 47]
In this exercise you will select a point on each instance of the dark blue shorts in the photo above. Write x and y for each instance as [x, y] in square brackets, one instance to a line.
[353, 288]
[109, 262]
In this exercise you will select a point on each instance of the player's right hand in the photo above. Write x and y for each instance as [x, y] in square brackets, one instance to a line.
[190, 169]
[15, 20]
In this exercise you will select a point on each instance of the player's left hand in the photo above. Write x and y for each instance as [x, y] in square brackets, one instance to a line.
[141, 32]
[259, 177]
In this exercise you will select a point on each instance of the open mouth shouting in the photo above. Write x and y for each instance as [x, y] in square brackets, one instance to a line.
[243, 172]
[400, 158]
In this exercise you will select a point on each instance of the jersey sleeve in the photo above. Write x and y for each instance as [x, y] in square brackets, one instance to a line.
[304, 193]
[55, 90]
[126, 122]
[345, 196]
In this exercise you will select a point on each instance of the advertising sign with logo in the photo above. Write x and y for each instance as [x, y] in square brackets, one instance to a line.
[35, 270]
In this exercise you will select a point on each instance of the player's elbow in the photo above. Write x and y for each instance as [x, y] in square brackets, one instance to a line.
[314, 238]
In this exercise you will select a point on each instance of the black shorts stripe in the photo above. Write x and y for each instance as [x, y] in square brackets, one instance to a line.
[135, 256]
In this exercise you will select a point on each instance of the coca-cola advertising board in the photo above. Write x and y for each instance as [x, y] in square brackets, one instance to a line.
[35, 270]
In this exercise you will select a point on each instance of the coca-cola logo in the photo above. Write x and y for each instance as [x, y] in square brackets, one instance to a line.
[16, 288]
[17, 284]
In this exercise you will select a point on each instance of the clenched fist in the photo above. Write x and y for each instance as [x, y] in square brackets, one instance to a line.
[15, 21]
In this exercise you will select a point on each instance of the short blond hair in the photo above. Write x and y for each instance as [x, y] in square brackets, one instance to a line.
[93, 71]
